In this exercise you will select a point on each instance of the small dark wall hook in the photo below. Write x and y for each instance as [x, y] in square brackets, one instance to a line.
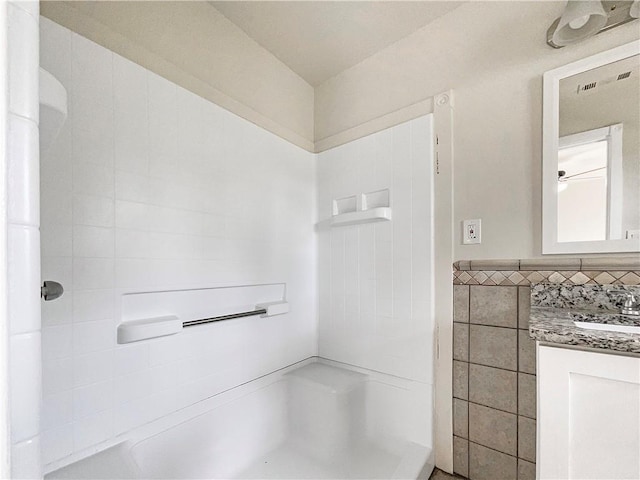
[51, 290]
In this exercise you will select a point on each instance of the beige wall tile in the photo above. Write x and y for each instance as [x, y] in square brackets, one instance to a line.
[493, 305]
[493, 346]
[460, 380]
[524, 306]
[487, 464]
[526, 352]
[462, 265]
[611, 263]
[493, 428]
[493, 387]
[527, 439]
[461, 456]
[511, 265]
[547, 264]
[461, 418]
[526, 470]
[461, 303]
[461, 341]
[527, 395]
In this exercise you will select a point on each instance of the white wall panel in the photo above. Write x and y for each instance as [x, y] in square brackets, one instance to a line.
[375, 280]
[23, 240]
[161, 190]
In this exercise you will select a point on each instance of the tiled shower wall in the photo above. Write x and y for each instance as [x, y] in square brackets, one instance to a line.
[494, 360]
[150, 188]
[23, 238]
[375, 279]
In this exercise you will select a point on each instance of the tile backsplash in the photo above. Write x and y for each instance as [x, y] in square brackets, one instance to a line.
[494, 383]
[494, 359]
[577, 271]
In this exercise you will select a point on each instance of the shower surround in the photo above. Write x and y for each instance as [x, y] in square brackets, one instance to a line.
[22, 241]
[315, 419]
[150, 188]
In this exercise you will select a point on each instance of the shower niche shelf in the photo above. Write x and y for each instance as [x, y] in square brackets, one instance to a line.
[379, 214]
[363, 208]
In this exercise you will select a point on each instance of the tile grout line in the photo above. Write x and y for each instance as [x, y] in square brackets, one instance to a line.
[468, 380]
[515, 457]
[494, 408]
[517, 378]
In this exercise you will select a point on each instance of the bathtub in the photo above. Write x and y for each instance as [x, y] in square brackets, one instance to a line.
[316, 419]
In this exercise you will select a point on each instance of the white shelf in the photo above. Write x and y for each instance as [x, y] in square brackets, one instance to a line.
[146, 328]
[274, 308]
[379, 214]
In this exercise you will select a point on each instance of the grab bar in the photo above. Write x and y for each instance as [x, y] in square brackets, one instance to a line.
[191, 323]
[145, 328]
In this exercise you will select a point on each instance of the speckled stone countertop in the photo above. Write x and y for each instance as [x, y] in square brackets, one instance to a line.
[554, 325]
[550, 319]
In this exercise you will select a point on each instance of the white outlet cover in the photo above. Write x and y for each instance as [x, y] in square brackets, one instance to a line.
[471, 232]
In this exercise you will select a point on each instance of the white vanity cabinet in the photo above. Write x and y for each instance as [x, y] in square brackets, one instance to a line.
[588, 415]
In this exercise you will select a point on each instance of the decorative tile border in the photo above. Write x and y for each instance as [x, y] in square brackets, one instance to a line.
[600, 264]
[527, 277]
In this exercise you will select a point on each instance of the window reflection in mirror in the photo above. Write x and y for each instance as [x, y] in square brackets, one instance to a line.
[599, 153]
[590, 185]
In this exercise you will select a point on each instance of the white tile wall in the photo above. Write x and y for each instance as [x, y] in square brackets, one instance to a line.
[23, 240]
[24, 272]
[375, 283]
[155, 188]
[25, 398]
[23, 60]
[25, 459]
[22, 170]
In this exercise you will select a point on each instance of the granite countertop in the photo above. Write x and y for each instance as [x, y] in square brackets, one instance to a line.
[554, 325]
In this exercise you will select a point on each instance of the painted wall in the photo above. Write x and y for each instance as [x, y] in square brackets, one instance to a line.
[149, 188]
[174, 39]
[375, 280]
[493, 55]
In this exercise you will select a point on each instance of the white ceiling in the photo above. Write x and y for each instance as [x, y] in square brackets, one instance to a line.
[319, 39]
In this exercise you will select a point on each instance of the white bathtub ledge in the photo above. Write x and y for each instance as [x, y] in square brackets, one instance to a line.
[114, 462]
[337, 380]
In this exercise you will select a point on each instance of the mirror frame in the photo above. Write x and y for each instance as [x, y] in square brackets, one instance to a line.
[550, 141]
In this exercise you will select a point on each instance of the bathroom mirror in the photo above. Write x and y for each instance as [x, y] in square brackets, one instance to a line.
[591, 154]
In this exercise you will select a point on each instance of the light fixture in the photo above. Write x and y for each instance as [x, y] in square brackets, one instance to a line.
[584, 18]
[581, 19]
